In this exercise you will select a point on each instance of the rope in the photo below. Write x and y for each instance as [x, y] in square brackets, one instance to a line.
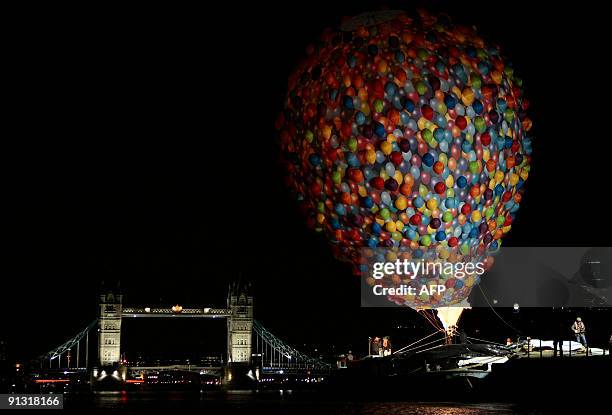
[496, 313]
[486, 341]
[423, 345]
[418, 341]
[433, 320]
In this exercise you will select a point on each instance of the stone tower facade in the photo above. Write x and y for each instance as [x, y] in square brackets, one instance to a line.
[239, 324]
[109, 343]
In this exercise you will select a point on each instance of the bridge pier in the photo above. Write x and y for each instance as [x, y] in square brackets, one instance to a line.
[239, 376]
[108, 377]
[108, 373]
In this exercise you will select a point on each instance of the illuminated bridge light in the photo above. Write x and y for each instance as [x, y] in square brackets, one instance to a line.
[52, 381]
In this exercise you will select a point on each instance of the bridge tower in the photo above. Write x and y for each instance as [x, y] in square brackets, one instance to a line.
[239, 324]
[109, 340]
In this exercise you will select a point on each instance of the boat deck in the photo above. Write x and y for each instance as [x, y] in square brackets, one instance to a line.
[549, 354]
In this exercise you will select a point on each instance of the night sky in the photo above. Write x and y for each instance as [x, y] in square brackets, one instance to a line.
[140, 146]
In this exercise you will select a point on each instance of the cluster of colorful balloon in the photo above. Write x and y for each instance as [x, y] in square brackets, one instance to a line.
[406, 131]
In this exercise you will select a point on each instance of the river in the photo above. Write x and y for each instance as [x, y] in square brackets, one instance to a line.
[269, 403]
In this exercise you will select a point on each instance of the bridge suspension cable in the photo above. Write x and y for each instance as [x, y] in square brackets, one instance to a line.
[277, 354]
[67, 346]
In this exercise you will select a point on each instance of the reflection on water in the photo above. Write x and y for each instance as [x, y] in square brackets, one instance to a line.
[269, 403]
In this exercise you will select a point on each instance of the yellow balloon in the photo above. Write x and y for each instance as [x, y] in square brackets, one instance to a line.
[370, 156]
[421, 123]
[401, 203]
[444, 254]
[398, 176]
[486, 154]
[499, 176]
[399, 225]
[390, 256]
[514, 178]
[467, 97]
[476, 216]
[326, 131]
[386, 147]
[450, 181]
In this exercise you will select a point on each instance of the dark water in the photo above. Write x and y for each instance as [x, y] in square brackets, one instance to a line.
[270, 403]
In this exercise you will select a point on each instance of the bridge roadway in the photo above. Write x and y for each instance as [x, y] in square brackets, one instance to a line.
[169, 312]
[209, 370]
[217, 370]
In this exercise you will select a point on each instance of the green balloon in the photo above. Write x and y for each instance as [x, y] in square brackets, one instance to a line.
[378, 105]
[309, 136]
[480, 124]
[385, 213]
[476, 81]
[474, 167]
[500, 220]
[421, 87]
[337, 177]
[426, 240]
[447, 217]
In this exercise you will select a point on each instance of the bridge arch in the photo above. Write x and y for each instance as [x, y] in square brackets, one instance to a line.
[239, 315]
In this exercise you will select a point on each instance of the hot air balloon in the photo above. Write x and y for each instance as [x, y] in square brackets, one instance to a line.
[407, 135]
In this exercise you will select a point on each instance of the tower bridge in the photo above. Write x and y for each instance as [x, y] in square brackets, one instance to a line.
[251, 348]
[239, 315]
